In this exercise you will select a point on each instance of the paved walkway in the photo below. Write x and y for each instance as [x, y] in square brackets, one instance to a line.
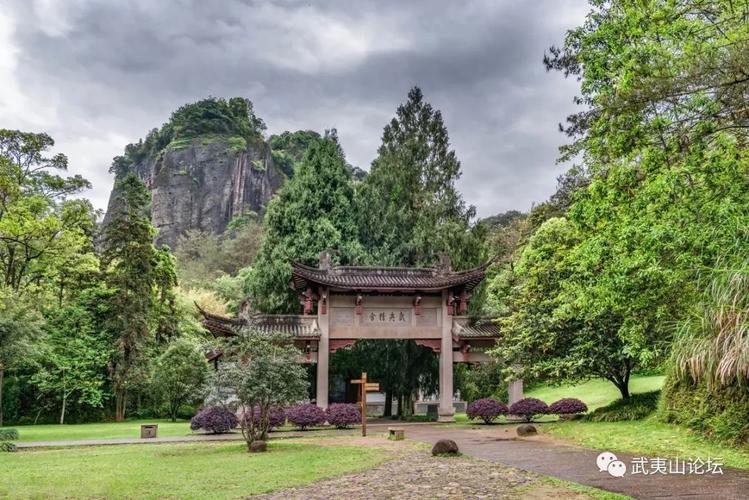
[573, 463]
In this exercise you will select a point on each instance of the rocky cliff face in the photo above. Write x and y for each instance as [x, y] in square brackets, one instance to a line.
[205, 184]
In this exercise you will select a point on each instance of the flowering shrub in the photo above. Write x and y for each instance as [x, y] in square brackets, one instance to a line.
[306, 415]
[529, 408]
[276, 416]
[568, 406]
[487, 409]
[214, 419]
[343, 415]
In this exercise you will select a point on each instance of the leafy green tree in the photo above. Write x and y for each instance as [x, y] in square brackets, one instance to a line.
[129, 262]
[483, 380]
[217, 116]
[180, 375]
[410, 210]
[265, 374]
[20, 326]
[166, 313]
[203, 257]
[400, 367]
[313, 211]
[73, 359]
[40, 230]
[288, 148]
[45, 239]
[663, 146]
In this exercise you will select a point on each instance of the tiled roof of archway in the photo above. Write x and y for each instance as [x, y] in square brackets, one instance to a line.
[296, 326]
[465, 328]
[385, 278]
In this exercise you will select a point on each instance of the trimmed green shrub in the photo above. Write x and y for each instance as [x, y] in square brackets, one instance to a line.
[637, 407]
[6, 436]
[719, 413]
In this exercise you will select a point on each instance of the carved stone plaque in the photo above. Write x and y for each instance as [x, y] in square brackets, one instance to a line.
[391, 317]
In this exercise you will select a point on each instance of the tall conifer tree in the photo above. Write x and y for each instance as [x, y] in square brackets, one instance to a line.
[313, 212]
[410, 208]
[129, 262]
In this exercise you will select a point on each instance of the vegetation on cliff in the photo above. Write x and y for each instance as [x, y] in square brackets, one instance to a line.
[233, 120]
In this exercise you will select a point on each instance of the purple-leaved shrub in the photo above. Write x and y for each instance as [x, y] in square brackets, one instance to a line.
[276, 416]
[343, 415]
[214, 419]
[306, 415]
[529, 408]
[487, 409]
[567, 406]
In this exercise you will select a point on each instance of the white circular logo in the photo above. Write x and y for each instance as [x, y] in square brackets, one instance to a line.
[604, 459]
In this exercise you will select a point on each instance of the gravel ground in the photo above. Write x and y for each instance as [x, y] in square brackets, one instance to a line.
[416, 474]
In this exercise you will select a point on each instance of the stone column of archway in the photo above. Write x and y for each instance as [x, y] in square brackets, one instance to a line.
[323, 356]
[446, 410]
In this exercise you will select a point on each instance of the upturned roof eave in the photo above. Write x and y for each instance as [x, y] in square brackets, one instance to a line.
[303, 275]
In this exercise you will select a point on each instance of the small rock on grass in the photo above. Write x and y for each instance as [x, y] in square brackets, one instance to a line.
[445, 447]
[526, 430]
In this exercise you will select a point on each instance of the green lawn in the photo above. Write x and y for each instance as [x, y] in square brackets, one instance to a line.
[108, 430]
[185, 470]
[595, 393]
[648, 437]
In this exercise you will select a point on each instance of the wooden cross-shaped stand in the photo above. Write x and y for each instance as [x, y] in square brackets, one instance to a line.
[365, 388]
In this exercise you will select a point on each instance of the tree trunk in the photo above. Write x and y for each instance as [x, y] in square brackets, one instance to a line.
[2, 377]
[388, 410]
[62, 411]
[119, 405]
[624, 390]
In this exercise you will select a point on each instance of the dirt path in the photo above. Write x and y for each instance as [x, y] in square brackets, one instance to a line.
[419, 475]
[573, 463]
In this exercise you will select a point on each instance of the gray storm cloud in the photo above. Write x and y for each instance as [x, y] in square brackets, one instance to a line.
[96, 75]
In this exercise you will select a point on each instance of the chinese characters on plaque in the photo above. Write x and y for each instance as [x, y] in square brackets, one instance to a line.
[387, 317]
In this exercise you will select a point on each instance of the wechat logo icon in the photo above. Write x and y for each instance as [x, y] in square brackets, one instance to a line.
[607, 462]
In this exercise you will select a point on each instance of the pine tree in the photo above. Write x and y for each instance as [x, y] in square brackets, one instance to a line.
[314, 211]
[410, 208]
[129, 264]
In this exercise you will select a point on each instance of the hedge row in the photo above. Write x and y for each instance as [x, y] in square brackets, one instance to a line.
[489, 409]
[219, 420]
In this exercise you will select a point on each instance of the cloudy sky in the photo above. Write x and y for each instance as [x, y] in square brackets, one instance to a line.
[99, 74]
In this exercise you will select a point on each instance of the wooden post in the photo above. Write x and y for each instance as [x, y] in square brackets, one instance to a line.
[365, 387]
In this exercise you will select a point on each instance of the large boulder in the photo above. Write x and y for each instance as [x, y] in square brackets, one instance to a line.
[445, 447]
